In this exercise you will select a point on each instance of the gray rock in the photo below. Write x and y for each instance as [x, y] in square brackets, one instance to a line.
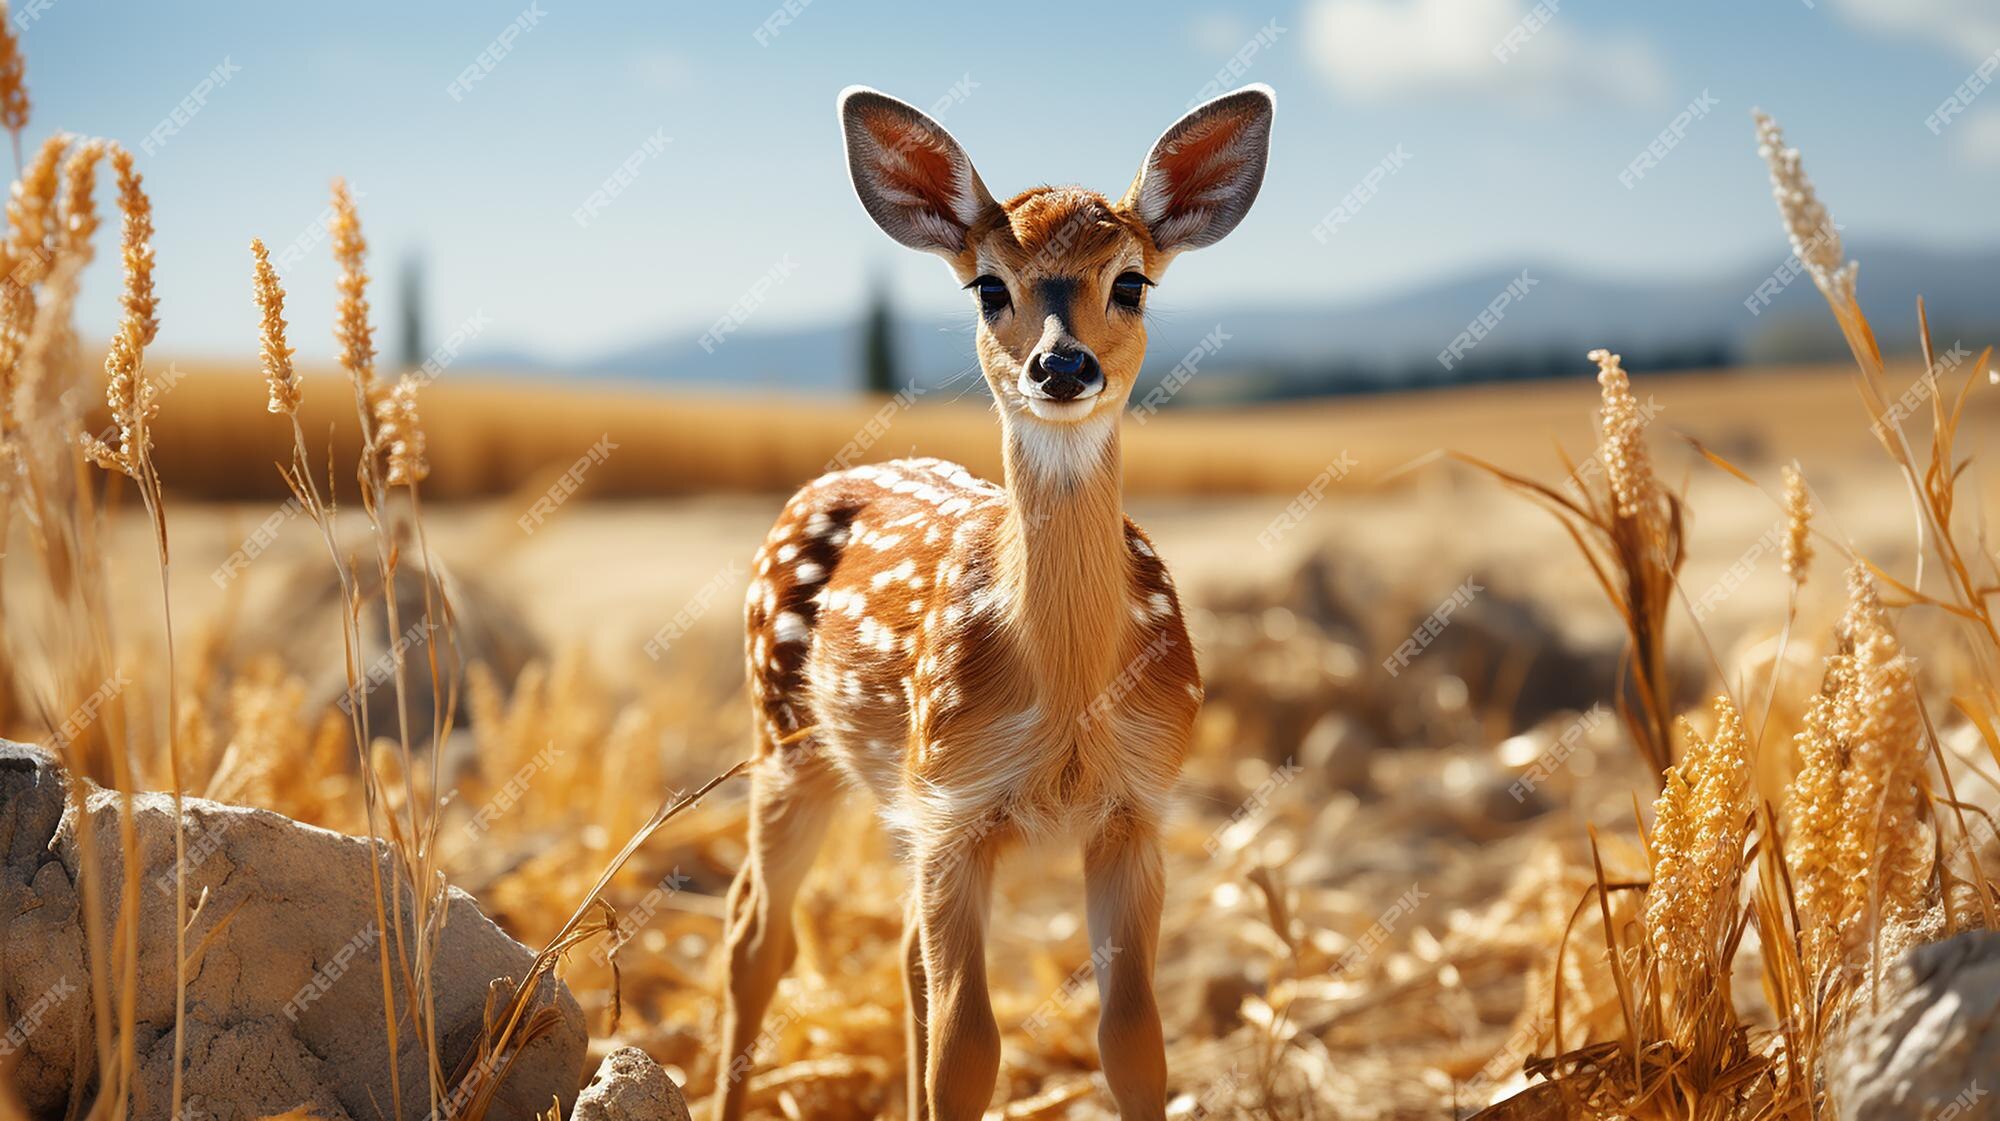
[1933, 1047]
[31, 806]
[44, 977]
[630, 1086]
[251, 1068]
[292, 969]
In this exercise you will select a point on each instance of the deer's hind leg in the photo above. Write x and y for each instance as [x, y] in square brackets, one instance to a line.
[791, 801]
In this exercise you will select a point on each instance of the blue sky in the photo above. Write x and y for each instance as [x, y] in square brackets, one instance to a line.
[1507, 162]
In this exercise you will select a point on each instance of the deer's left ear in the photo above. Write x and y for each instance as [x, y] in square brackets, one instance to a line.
[1203, 173]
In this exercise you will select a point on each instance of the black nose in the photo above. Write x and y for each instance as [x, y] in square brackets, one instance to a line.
[1062, 374]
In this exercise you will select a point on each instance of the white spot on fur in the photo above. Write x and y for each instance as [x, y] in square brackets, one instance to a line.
[790, 627]
[873, 633]
[904, 569]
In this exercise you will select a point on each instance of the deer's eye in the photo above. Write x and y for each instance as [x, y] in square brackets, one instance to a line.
[993, 297]
[1129, 290]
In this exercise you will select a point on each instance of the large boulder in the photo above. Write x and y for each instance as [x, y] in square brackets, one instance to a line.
[285, 991]
[630, 1086]
[1935, 1036]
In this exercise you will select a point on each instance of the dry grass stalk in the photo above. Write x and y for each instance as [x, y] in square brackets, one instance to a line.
[44, 474]
[1931, 486]
[133, 402]
[51, 222]
[1628, 529]
[1968, 569]
[396, 956]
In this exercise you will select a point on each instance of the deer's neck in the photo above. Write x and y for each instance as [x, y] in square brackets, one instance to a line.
[1063, 556]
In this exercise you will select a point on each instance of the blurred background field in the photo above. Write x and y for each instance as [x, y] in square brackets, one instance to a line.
[1324, 788]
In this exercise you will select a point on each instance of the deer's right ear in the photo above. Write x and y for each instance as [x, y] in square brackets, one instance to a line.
[913, 178]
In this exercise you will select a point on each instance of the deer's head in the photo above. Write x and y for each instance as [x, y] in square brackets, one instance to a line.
[1059, 275]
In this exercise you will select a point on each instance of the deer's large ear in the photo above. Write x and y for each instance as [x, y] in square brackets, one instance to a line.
[1203, 173]
[913, 178]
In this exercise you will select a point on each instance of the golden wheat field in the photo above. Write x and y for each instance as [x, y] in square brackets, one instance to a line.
[1578, 749]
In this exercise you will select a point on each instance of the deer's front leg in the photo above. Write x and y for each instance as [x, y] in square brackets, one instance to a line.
[916, 995]
[954, 886]
[1125, 884]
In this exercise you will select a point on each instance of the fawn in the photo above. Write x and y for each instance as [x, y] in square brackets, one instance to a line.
[996, 664]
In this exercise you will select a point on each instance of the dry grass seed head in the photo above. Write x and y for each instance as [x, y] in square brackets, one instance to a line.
[1860, 848]
[55, 243]
[279, 375]
[13, 78]
[351, 329]
[1886, 838]
[1798, 526]
[26, 257]
[77, 225]
[132, 399]
[141, 306]
[1812, 807]
[1623, 433]
[1701, 823]
[1815, 238]
[32, 206]
[399, 430]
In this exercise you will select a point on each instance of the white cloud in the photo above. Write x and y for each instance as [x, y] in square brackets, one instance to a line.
[1371, 49]
[1970, 28]
[1975, 138]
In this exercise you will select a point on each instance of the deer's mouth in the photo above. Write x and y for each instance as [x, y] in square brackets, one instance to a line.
[1071, 410]
[1060, 398]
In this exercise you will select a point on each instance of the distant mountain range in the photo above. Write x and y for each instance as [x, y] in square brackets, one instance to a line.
[1551, 316]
